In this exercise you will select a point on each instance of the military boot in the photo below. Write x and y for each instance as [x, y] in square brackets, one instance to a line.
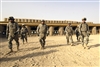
[86, 46]
[72, 44]
[41, 47]
[82, 44]
[44, 45]
[10, 51]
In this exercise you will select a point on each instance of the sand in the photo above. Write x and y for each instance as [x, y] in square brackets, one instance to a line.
[56, 54]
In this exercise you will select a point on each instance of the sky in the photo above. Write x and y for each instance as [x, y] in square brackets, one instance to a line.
[73, 10]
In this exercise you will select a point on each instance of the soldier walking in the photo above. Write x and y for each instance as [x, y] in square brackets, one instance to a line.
[69, 33]
[12, 33]
[42, 33]
[24, 32]
[77, 33]
[84, 32]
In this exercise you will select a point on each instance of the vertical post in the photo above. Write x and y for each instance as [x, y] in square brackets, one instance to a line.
[94, 30]
[61, 30]
[51, 30]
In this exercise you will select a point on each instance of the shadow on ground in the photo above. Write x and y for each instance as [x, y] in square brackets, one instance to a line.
[58, 45]
[93, 46]
[41, 53]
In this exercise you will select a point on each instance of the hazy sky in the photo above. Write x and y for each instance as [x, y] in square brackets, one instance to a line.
[52, 10]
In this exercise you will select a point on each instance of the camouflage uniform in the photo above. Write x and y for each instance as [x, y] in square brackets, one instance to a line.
[69, 33]
[77, 33]
[24, 32]
[42, 32]
[84, 31]
[12, 33]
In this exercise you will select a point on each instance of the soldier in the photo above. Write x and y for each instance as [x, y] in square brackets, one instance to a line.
[69, 33]
[24, 32]
[84, 32]
[12, 33]
[77, 33]
[42, 32]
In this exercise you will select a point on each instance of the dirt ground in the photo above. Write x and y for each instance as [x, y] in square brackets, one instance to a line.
[56, 54]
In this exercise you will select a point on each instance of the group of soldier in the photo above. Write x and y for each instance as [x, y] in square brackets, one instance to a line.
[12, 33]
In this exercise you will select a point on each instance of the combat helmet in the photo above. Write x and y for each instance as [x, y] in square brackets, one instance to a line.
[84, 18]
[11, 18]
[43, 21]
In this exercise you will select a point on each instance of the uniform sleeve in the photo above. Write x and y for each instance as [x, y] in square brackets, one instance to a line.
[17, 26]
[47, 30]
[7, 30]
[87, 27]
[80, 28]
[21, 30]
[72, 30]
[27, 30]
[76, 30]
[38, 28]
[66, 30]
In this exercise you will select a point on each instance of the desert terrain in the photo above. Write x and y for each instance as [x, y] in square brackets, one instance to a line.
[56, 53]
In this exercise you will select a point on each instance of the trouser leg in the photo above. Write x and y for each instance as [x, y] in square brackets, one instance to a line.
[10, 43]
[67, 38]
[26, 38]
[82, 40]
[17, 42]
[10, 39]
[86, 41]
[43, 42]
[77, 37]
[71, 40]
